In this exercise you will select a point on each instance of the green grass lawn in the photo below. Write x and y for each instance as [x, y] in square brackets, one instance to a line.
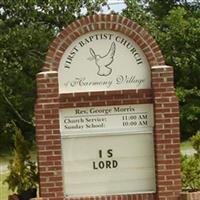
[186, 145]
[4, 192]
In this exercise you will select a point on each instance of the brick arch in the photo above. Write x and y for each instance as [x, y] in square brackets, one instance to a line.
[102, 22]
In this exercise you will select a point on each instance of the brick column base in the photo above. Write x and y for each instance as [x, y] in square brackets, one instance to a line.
[190, 196]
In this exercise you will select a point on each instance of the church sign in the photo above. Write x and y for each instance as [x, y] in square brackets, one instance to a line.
[107, 120]
[108, 150]
[103, 60]
[104, 141]
[113, 118]
[107, 165]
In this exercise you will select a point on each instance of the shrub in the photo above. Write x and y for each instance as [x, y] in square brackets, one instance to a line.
[23, 172]
[196, 144]
[190, 167]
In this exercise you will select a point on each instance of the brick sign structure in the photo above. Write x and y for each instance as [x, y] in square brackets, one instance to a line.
[107, 117]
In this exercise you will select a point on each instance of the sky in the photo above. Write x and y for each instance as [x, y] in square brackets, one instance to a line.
[116, 5]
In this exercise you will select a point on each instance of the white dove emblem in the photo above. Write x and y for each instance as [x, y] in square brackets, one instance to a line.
[104, 61]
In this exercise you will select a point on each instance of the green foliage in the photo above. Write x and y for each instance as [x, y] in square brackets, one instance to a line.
[22, 171]
[181, 49]
[28, 27]
[26, 30]
[136, 12]
[190, 167]
[161, 8]
[176, 27]
[195, 140]
[190, 109]
[190, 176]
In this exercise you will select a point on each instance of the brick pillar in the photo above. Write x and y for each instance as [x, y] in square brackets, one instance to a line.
[167, 142]
[166, 133]
[48, 136]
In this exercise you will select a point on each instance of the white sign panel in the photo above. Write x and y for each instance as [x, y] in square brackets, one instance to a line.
[122, 164]
[136, 118]
[103, 60]
[108, 150]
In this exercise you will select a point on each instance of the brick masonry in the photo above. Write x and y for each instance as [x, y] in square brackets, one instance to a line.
[190, 196]
[162, 95]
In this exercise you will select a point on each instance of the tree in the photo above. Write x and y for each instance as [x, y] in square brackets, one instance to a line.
[26, 30]
[177, 32]
[23, 173]
[28, 27]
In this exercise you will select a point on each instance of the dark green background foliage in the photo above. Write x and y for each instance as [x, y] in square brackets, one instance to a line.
[27, 27]
[176, 27]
